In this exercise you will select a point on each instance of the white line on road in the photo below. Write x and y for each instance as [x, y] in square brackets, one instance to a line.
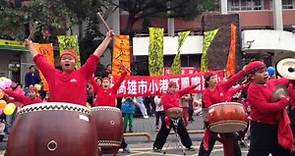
[137, 153]
[171, 147]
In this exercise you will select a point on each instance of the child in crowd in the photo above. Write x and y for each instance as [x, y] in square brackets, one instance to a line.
[105, 94]
[140, 104]
[33, 96]
[160, 114]
[128, 110]
[184, 103]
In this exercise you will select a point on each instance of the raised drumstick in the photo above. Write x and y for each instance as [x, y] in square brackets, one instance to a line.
[32, 31]
[103, 21]
[122, 65]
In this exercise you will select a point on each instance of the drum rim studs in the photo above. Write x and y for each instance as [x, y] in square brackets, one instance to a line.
[52, 143]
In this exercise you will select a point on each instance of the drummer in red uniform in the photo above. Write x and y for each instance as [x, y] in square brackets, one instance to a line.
[169, 100]
[106, 96]
[291, 91]
[69, 85]
[216, 93]
[270, 131]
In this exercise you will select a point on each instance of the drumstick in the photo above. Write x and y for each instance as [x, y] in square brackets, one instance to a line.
[125, 68]
[103, 21]
[32, 31]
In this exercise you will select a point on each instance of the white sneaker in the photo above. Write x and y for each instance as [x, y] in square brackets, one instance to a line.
[146, 117]
[126, 150]
[5, 138]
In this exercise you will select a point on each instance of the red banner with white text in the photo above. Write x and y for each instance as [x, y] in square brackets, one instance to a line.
[155, 85]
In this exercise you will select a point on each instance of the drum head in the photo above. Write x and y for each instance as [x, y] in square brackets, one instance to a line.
[54, 106]
[286, 68]
[228, 126]
[105, 108]
[226, 104]
[175, 112]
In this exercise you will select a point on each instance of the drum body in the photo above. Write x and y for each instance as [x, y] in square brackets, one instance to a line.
[175, 112]
[227, 117]
[109, 126]
[53, 129]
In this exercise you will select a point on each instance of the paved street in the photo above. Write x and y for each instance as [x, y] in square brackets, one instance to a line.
[139, 146]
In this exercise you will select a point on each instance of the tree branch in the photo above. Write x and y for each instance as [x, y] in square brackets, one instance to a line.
[112, 3]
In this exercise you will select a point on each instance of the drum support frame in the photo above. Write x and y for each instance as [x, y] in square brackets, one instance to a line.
[178, 143]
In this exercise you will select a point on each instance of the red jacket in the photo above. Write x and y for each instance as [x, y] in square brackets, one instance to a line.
[221, 92]
[22, 99]
[172, 100]
[291, 91]
[67, 87]
[260, 100]
[107, 97]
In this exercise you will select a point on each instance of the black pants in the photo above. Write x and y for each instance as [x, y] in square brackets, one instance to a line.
[160, 115]
[190, 112]
[292, 118]
[164, 132]
[123, 144]
[212, 140]
[119, 102]
[147, 102]
[264, 140]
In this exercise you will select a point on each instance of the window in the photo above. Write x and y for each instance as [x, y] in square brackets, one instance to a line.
[257, 5]
[237, 5]
[246, 5]
[287, 4]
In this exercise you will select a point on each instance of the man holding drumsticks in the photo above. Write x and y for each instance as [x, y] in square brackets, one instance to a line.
[217, 93]
[170, 100]
[69, 84]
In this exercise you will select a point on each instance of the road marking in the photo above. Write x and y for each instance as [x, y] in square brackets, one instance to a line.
[137, 153]
[221, 149]
[171, 147]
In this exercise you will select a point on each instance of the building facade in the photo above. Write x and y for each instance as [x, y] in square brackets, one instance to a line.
[14, 60]
[267, 29]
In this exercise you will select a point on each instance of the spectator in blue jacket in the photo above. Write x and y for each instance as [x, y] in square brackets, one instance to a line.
[128, 110]
[32, 77]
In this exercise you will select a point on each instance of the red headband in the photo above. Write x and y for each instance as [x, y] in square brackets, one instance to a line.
[69, 52]
[255, 66]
